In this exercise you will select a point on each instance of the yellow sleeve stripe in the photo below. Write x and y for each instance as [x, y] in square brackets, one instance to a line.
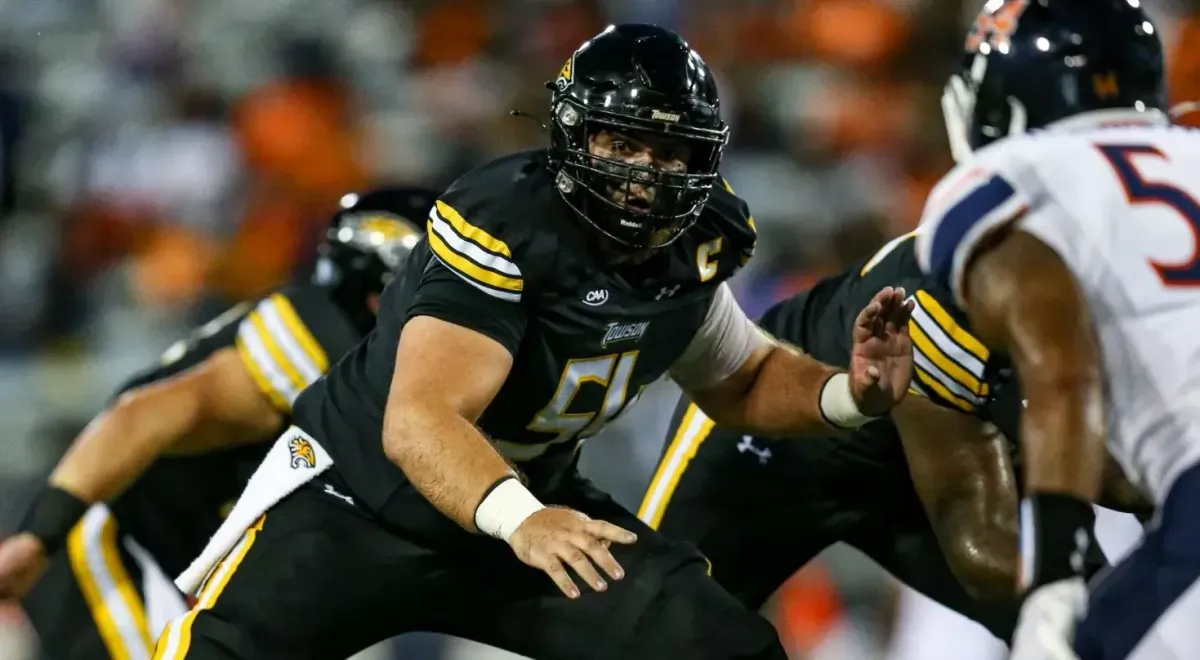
[964, 340]
[260, 379]
[107, 587]
[457, 255]
[693, 430]
[279, 351]
[470, 232]
[300, 332]
[940, 390]
[271, 342]
[971, 383]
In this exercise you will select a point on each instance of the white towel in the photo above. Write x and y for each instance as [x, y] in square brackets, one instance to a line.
[294, 460]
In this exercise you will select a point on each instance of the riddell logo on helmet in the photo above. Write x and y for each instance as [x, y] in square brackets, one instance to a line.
[659, 115]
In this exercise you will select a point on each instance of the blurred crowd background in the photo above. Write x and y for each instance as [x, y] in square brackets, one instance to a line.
[162, 159]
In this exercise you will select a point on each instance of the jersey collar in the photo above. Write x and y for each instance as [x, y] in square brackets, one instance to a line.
[1109, 118]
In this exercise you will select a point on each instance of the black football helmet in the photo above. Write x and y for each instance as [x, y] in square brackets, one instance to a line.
[639, 79]
[1030, 63]
[369, 240]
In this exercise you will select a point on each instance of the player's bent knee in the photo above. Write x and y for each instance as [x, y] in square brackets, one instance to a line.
[692, 616]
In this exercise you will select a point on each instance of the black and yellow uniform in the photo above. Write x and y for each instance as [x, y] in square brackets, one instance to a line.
[359, 555]
[90, 605]
[761, 508]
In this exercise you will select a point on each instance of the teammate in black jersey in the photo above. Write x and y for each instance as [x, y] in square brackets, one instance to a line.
[929, 494]
[176, 446]
[552, 288]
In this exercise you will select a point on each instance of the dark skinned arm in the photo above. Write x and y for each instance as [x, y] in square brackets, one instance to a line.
[963, 474]
[212, 405]
[1021, 298]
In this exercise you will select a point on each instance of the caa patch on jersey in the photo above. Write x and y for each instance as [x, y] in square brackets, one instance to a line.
[967, 205]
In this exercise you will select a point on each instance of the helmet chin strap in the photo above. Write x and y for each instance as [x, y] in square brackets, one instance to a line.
[958, 108]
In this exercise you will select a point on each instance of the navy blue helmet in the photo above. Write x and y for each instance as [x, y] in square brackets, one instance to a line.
[1030, 63]
[642, 80]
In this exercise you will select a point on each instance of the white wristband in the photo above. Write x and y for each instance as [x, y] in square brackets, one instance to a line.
[505, 508]
[837, 404]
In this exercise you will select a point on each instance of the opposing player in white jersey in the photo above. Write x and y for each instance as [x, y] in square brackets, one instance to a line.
[1070, 234]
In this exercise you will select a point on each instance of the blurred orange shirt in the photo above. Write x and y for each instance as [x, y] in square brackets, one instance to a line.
[304, 151]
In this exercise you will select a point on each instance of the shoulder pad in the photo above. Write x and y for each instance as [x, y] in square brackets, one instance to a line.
[741, 229]
[725, 234]
[480, 231]
[967, 205]
[290, 338]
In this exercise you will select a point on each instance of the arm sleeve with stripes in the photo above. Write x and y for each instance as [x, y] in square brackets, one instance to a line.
[280, 351]
[473, 253]
[949, 363]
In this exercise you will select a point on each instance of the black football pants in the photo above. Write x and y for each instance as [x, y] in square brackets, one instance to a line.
[319, 578]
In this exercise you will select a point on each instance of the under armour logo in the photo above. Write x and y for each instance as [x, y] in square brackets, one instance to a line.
[747, 445]
[666, 292]
[329, 490]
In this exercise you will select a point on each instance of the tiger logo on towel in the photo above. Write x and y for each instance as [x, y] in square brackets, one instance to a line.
[303, 455]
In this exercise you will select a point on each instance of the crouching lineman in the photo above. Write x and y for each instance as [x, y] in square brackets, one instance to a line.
[438, 488]
[929, 493]
[1073, 247]
[147, 483]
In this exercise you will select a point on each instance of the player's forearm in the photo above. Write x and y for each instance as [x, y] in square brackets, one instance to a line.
[779, 397]
[445, 457]
[120, 444]
[1062, 432]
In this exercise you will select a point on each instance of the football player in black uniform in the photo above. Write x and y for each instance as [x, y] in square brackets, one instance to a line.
[929, 494]
[552, 287]
[176, 445]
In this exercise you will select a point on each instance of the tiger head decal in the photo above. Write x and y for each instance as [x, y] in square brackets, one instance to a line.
[303, 455]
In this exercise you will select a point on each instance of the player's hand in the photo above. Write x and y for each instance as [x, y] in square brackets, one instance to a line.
[1046, 628]
[881, 358]
[22, 560]
[555, 537]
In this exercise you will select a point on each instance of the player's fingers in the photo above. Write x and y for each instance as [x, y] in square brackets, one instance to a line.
[607, 531]
[598, 551]
[553, 567]
[868, 315]
[578, 560]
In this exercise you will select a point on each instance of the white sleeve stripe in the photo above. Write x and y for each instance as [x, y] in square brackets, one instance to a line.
[495, 293]
[471, 250]
[287, 343]
[946, 344]
[262, 357]
[949, 383]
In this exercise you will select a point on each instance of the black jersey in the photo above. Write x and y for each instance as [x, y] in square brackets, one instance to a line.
[286, 340]
[951, 367]
[506, 257]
